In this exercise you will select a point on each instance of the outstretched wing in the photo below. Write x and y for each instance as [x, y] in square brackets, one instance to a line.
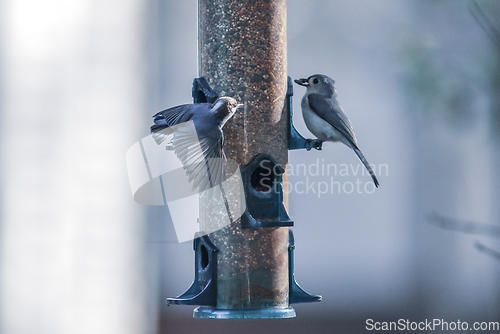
[201, 155]
[197, 144]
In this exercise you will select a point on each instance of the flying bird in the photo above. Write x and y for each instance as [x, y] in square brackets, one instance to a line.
[199, 148]
[325, 118]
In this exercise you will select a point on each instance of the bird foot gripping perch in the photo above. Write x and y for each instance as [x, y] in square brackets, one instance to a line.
[314, 143]
[295, 140]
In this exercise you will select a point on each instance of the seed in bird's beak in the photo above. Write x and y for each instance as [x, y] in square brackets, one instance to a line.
[302, 82]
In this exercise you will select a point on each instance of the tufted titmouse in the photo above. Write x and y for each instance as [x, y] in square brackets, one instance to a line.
[200, 151]
[325, 118]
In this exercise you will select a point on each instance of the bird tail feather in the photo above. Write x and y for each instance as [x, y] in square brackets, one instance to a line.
[367, 165]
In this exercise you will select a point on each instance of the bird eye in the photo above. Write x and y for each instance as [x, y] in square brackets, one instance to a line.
[315, 81]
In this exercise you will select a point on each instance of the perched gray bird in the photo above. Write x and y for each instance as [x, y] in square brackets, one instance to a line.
[199, 149]
[325, 118]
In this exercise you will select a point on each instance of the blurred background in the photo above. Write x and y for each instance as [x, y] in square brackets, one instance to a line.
[419, 80]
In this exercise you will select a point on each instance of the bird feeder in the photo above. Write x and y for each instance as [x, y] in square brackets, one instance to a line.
[245, 270]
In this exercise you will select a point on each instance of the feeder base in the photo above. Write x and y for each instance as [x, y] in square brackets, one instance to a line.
[204, 312]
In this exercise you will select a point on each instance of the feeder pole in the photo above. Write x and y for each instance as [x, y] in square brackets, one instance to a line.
[242, 53]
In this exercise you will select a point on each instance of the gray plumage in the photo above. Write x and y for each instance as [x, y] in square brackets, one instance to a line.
[199, 149]
[325, 118]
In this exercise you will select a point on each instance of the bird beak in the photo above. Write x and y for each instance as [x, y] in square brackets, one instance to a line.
[302, 82]
[239, 107]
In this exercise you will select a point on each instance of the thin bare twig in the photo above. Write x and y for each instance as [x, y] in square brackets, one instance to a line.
[469, 227]
[464, 226]
[485, 23]
[485, 249]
